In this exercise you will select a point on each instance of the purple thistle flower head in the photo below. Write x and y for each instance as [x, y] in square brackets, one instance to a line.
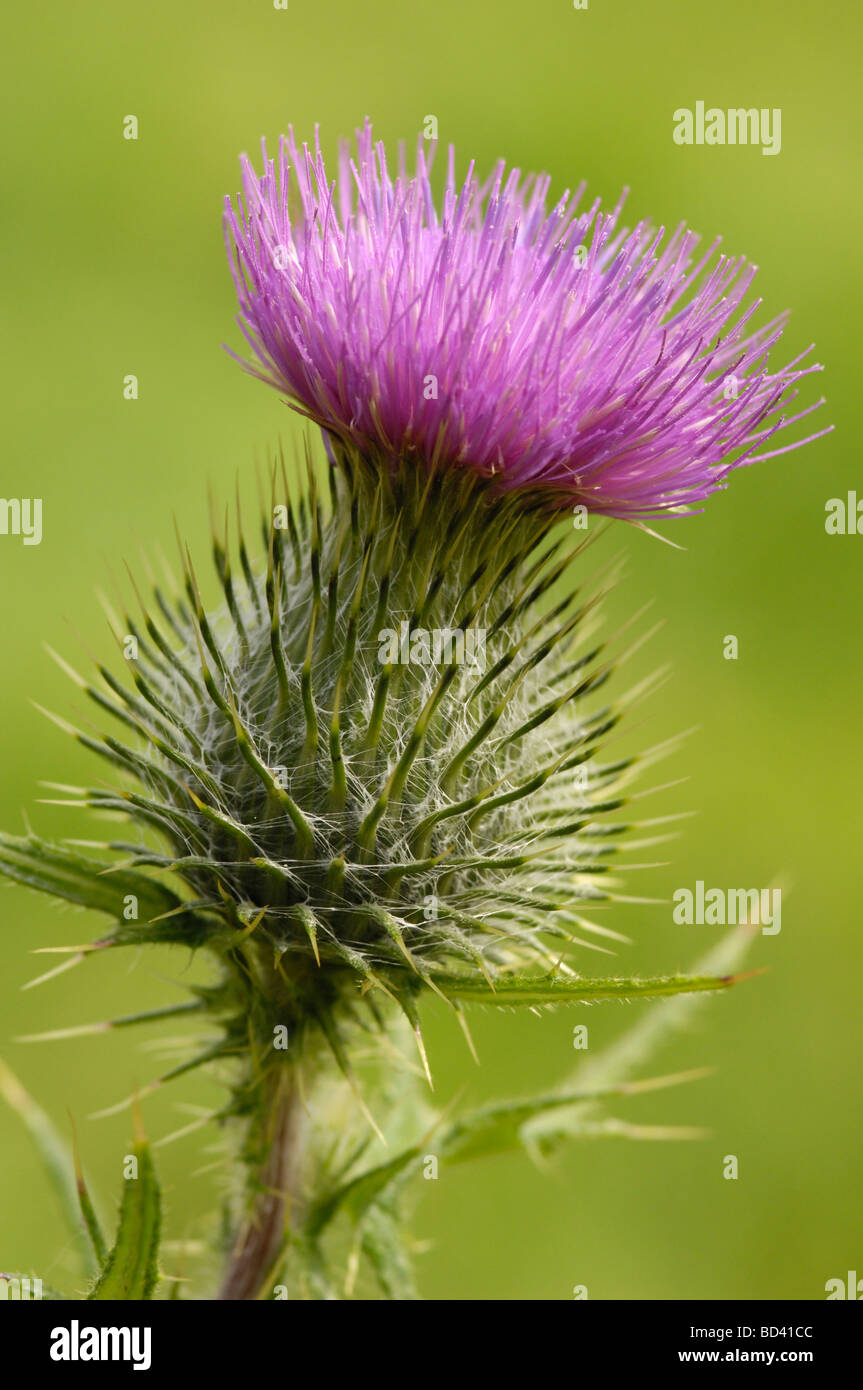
[554, 352]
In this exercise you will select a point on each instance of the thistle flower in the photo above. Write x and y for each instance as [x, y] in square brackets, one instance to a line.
[552, 351]
[373, 771]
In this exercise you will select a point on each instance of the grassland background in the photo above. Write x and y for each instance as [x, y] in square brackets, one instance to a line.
[114, 264]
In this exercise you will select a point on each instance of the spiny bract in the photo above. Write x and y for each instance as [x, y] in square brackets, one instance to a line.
[374, 765]
[371, 773]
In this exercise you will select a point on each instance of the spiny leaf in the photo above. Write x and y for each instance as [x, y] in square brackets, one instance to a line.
[356, 1196]
[552, 989]
[132, 1268]
[50, 869]
[498, 1127]
[494, 1128]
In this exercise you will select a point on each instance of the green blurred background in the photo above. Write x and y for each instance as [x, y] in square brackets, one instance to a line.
[114, 264]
